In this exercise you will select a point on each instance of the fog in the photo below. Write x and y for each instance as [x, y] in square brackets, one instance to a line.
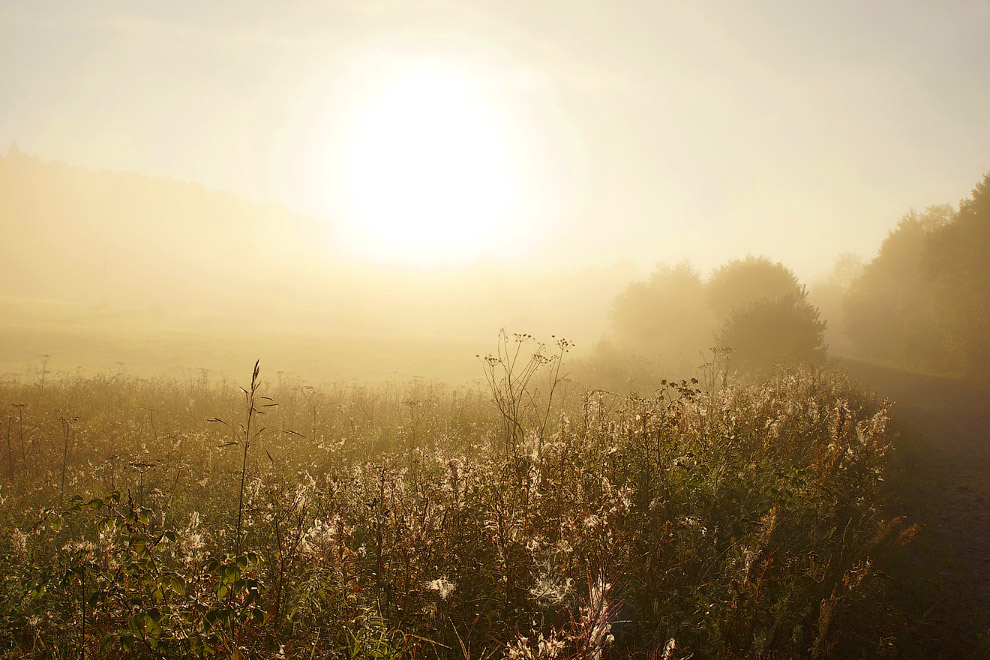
[106, 271]
[363, 190]
[168, 272]
[534, 330]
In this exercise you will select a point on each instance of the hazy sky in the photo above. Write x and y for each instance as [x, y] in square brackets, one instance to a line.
[640, 130]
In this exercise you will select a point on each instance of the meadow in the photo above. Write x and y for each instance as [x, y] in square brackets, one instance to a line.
[528, 518]
[253, 260]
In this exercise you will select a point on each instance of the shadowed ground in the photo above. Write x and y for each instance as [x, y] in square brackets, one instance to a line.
[940, 477]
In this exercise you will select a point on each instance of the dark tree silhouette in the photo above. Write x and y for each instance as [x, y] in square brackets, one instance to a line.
[774, 331]
[956, 261]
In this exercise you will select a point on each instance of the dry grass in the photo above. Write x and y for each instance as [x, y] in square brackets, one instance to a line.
[415, 521]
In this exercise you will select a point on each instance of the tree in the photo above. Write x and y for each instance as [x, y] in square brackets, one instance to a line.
[956, 264]
[744, 281]
[889, 313]
[829, 294]
[774, 331]
[663, 314]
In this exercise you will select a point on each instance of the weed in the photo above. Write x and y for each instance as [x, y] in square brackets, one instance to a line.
[741, 520]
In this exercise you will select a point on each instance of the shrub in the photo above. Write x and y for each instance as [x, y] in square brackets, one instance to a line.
[741, 282]
[665, 314]
[774, 331]
[391, 523]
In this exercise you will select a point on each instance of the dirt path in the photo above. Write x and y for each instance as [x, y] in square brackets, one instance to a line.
[940, 476]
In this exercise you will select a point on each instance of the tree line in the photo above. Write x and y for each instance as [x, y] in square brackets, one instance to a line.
[922, 303]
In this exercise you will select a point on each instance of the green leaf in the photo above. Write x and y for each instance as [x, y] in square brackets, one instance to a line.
[229, 574]
[136, 624]
[126, 641]
[174, 583]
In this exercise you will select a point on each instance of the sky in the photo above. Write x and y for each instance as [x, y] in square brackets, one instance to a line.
[635, 131]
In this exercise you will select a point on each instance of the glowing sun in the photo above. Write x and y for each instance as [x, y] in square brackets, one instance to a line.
[428, 168]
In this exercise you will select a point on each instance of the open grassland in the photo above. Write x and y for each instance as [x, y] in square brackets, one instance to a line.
[90, 340]
[152, 518]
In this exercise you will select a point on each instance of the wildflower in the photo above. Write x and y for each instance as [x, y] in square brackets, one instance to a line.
[551, 591]
[321, 535]
[19, 541]
[442, 586]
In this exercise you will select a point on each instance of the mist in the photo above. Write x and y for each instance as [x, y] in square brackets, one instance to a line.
[111, 269]
[552, 330]
[355, 172]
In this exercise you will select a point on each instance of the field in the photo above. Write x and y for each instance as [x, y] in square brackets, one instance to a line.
[525, 519]
[151, 343]
[254, 402]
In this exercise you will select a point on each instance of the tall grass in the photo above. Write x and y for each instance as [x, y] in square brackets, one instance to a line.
[734, 521]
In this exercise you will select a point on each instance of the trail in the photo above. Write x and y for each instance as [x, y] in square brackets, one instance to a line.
[940, 476]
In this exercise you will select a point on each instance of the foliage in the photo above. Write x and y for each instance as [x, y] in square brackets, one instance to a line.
[762, 311]
[955, 262]
[741, 282]
[889, 313]
[828, 294]
[774, 331]
[717, 520]
[664, 314]
[924, 301]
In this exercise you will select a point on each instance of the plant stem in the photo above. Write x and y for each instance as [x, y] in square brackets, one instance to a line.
[247, 444]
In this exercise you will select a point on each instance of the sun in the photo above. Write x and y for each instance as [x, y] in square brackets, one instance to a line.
[429, 169]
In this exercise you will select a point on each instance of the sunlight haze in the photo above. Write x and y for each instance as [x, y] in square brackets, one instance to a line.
[439, 170]
[783, 127]
[426, 172]
[519, 330]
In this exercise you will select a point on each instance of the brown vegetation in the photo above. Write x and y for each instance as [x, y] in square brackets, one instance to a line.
[717, 521]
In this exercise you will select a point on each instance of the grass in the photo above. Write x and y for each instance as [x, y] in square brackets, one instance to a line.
[419, 520]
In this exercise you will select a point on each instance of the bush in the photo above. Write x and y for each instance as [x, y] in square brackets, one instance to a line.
[744, 281]
[774, 331]
[738, 522]
[665, 314]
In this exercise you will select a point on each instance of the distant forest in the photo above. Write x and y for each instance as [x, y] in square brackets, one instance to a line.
[923, 303]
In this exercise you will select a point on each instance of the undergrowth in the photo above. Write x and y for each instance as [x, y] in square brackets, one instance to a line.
[156, 519]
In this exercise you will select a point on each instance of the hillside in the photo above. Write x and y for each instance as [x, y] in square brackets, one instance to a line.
[103, 267]
[82, 236]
